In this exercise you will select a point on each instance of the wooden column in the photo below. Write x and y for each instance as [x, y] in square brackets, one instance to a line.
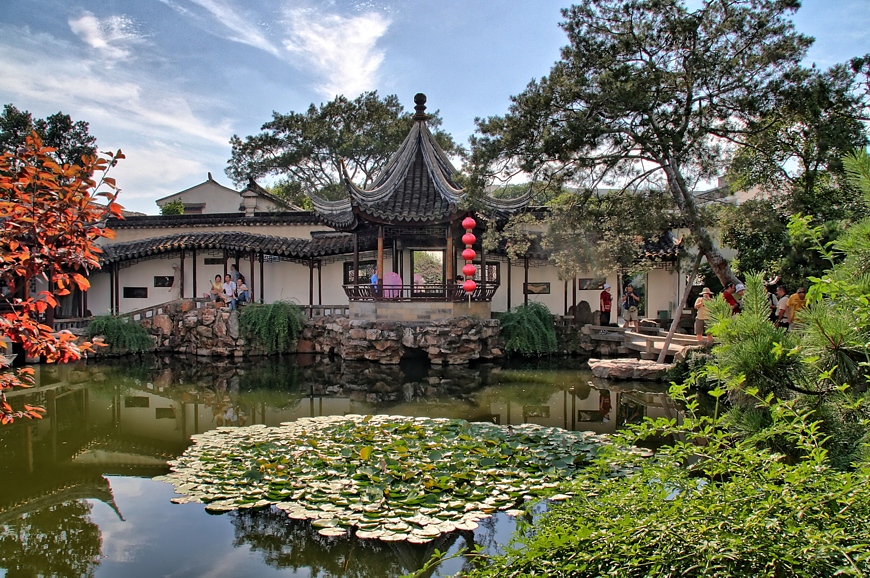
[310, 287]
[117, 288]
[380, 259]
[226, 258]
[250, 280]
[399, 257]
[194, 273]
[85, 296]
[181, 276]
[574, 293]
[565, 291]
[525, 280]
[112, 289]
[509, 282]
[319, 283]
[482, 268]
[451, 258]
[355, 259]
[262, 300]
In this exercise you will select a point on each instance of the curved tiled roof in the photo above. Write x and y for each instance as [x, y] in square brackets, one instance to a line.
[318, 246]
[665, 248]
[216, 219]
[416, 186]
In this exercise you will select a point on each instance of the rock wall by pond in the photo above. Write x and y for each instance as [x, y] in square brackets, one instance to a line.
[443, 342]
[215, 332]
[208, 331]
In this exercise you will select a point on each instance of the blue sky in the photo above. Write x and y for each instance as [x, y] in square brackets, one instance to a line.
[170, 81]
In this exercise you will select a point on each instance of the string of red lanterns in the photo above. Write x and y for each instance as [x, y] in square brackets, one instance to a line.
[469, 270]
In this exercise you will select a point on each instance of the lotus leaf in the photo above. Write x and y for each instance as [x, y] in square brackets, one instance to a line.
[392, 478]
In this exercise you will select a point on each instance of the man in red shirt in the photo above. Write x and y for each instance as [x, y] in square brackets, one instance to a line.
[728, 295]
[605, 303]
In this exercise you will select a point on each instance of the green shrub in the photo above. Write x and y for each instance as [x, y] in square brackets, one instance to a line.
[120, 335]
[175, 207]
[710, 505]
[274, 327]
[528, 330]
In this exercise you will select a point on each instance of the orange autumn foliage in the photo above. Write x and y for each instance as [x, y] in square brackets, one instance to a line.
[51, 216]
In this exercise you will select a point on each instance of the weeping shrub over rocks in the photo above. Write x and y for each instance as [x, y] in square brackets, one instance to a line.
[119, 335]
[274, 327]
[528, 330]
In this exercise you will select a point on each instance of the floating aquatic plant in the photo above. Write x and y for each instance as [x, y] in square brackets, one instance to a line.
[391, 478]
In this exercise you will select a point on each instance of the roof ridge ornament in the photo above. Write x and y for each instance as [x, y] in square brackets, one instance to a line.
[420, 102]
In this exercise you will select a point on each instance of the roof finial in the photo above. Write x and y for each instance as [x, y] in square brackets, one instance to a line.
[420, 101]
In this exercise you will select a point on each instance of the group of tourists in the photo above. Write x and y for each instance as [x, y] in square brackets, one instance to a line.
[783, 307]
[630, 306]
[231, 291]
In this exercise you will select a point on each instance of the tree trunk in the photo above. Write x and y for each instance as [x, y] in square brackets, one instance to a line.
[679, 313]
[689, 210]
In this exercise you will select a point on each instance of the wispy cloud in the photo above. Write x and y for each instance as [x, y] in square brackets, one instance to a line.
[44, 70]
[112, 37]
[235, 24]
[169, 136]
[341, 50]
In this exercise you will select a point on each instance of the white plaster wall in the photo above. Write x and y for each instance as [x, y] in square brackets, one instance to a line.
[662, 292]
[216, 197]
[332, 277]
[99, 293]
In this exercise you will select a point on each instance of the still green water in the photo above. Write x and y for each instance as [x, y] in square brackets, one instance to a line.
[77, 499]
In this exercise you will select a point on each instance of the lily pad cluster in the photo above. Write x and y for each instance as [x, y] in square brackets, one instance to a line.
[391, 478]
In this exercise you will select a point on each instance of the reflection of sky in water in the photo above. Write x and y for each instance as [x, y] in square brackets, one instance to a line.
[158, 538]
[121, 421]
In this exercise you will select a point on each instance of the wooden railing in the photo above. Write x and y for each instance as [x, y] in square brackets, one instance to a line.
[428, 292]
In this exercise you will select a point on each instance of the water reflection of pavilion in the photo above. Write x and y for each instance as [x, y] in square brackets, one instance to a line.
[129, 420]
[123, 424]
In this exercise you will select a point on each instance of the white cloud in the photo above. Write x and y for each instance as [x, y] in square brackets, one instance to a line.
[84, 89]
[112, 37]
[153, 169]
[341, 50]
[166, 133]
[239, 27]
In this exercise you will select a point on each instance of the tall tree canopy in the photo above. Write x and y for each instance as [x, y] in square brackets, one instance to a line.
[71, 140]
[812, 121]
[646, 90]
[306, 149]
[793, 154]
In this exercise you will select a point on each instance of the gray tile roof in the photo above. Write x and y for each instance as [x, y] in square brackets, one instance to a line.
[290, 247]
[216, 220]
[417, 186]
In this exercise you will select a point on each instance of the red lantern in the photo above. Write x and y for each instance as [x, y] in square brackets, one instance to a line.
[469, 270]
[468, 223]
[469, 286]
[469, 254]
[468, 239]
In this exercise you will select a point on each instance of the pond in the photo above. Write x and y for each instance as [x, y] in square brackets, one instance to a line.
[76, 491]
